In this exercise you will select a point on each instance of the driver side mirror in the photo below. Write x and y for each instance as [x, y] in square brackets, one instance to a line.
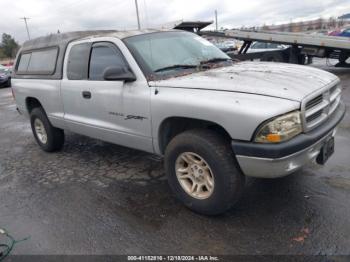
[118, 73]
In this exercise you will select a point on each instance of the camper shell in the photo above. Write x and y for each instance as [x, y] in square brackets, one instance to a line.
[59, 42]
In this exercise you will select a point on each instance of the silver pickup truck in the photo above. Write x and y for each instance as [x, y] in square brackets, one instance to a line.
[174, 94]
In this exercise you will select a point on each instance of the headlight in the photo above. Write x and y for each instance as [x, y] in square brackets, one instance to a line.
[280, 129]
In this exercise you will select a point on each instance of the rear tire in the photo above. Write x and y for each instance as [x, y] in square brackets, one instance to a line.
[48, 137]
[215, 159]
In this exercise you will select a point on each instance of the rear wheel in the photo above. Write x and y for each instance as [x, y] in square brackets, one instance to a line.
[203, 172]
[47, 136]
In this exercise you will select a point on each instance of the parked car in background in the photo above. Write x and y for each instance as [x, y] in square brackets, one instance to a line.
[344, 32]
[263, 47]
[227, 46]
[5, 76]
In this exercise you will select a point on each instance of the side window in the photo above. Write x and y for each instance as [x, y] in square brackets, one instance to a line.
[42, 62]
[104, 55]
[259, 45]
[78, 60]
[272, 45]
[24, 62]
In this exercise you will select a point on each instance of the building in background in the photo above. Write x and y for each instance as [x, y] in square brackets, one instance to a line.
[320, 25]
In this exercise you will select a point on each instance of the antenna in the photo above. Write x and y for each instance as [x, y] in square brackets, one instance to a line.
[25, 21]
[216, 20]
[137, 14]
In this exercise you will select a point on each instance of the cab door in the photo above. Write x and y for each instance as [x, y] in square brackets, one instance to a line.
[114, 111]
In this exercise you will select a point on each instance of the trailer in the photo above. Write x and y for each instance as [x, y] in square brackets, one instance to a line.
[302, 47]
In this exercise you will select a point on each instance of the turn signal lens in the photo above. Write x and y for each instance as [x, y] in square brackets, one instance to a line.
[274, 138]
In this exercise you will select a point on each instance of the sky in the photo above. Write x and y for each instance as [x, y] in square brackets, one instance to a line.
[49, 16]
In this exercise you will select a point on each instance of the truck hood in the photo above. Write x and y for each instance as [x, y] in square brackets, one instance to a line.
[292, 82]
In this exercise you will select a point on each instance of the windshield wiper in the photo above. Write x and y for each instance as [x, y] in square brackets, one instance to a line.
[184, 66]
[174, 67]
[215, 60]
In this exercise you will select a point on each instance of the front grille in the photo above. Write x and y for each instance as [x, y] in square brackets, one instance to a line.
[314, 116]
[319, 107]
[313, 102]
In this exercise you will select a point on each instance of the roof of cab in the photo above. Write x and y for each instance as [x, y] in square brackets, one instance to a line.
[63, 39]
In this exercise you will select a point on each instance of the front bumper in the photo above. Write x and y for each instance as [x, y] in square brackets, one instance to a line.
[277, 160]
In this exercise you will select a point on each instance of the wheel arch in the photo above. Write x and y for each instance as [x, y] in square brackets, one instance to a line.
[31, 103]
[172, 126]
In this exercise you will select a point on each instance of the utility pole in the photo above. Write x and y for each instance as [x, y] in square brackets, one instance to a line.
[137, 14]
[25, 21]
[216, 20]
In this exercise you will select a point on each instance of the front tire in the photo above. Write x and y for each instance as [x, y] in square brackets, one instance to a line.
[48, 137]
[203, 172]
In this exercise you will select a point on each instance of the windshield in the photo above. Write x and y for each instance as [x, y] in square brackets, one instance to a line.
[159, 53]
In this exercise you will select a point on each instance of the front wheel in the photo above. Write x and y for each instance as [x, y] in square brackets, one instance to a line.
[203, 172]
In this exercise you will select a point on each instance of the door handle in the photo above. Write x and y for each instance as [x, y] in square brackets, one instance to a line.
[86, 94]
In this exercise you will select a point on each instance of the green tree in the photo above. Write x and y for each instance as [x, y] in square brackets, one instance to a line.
[2, 55]
[9, 46]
